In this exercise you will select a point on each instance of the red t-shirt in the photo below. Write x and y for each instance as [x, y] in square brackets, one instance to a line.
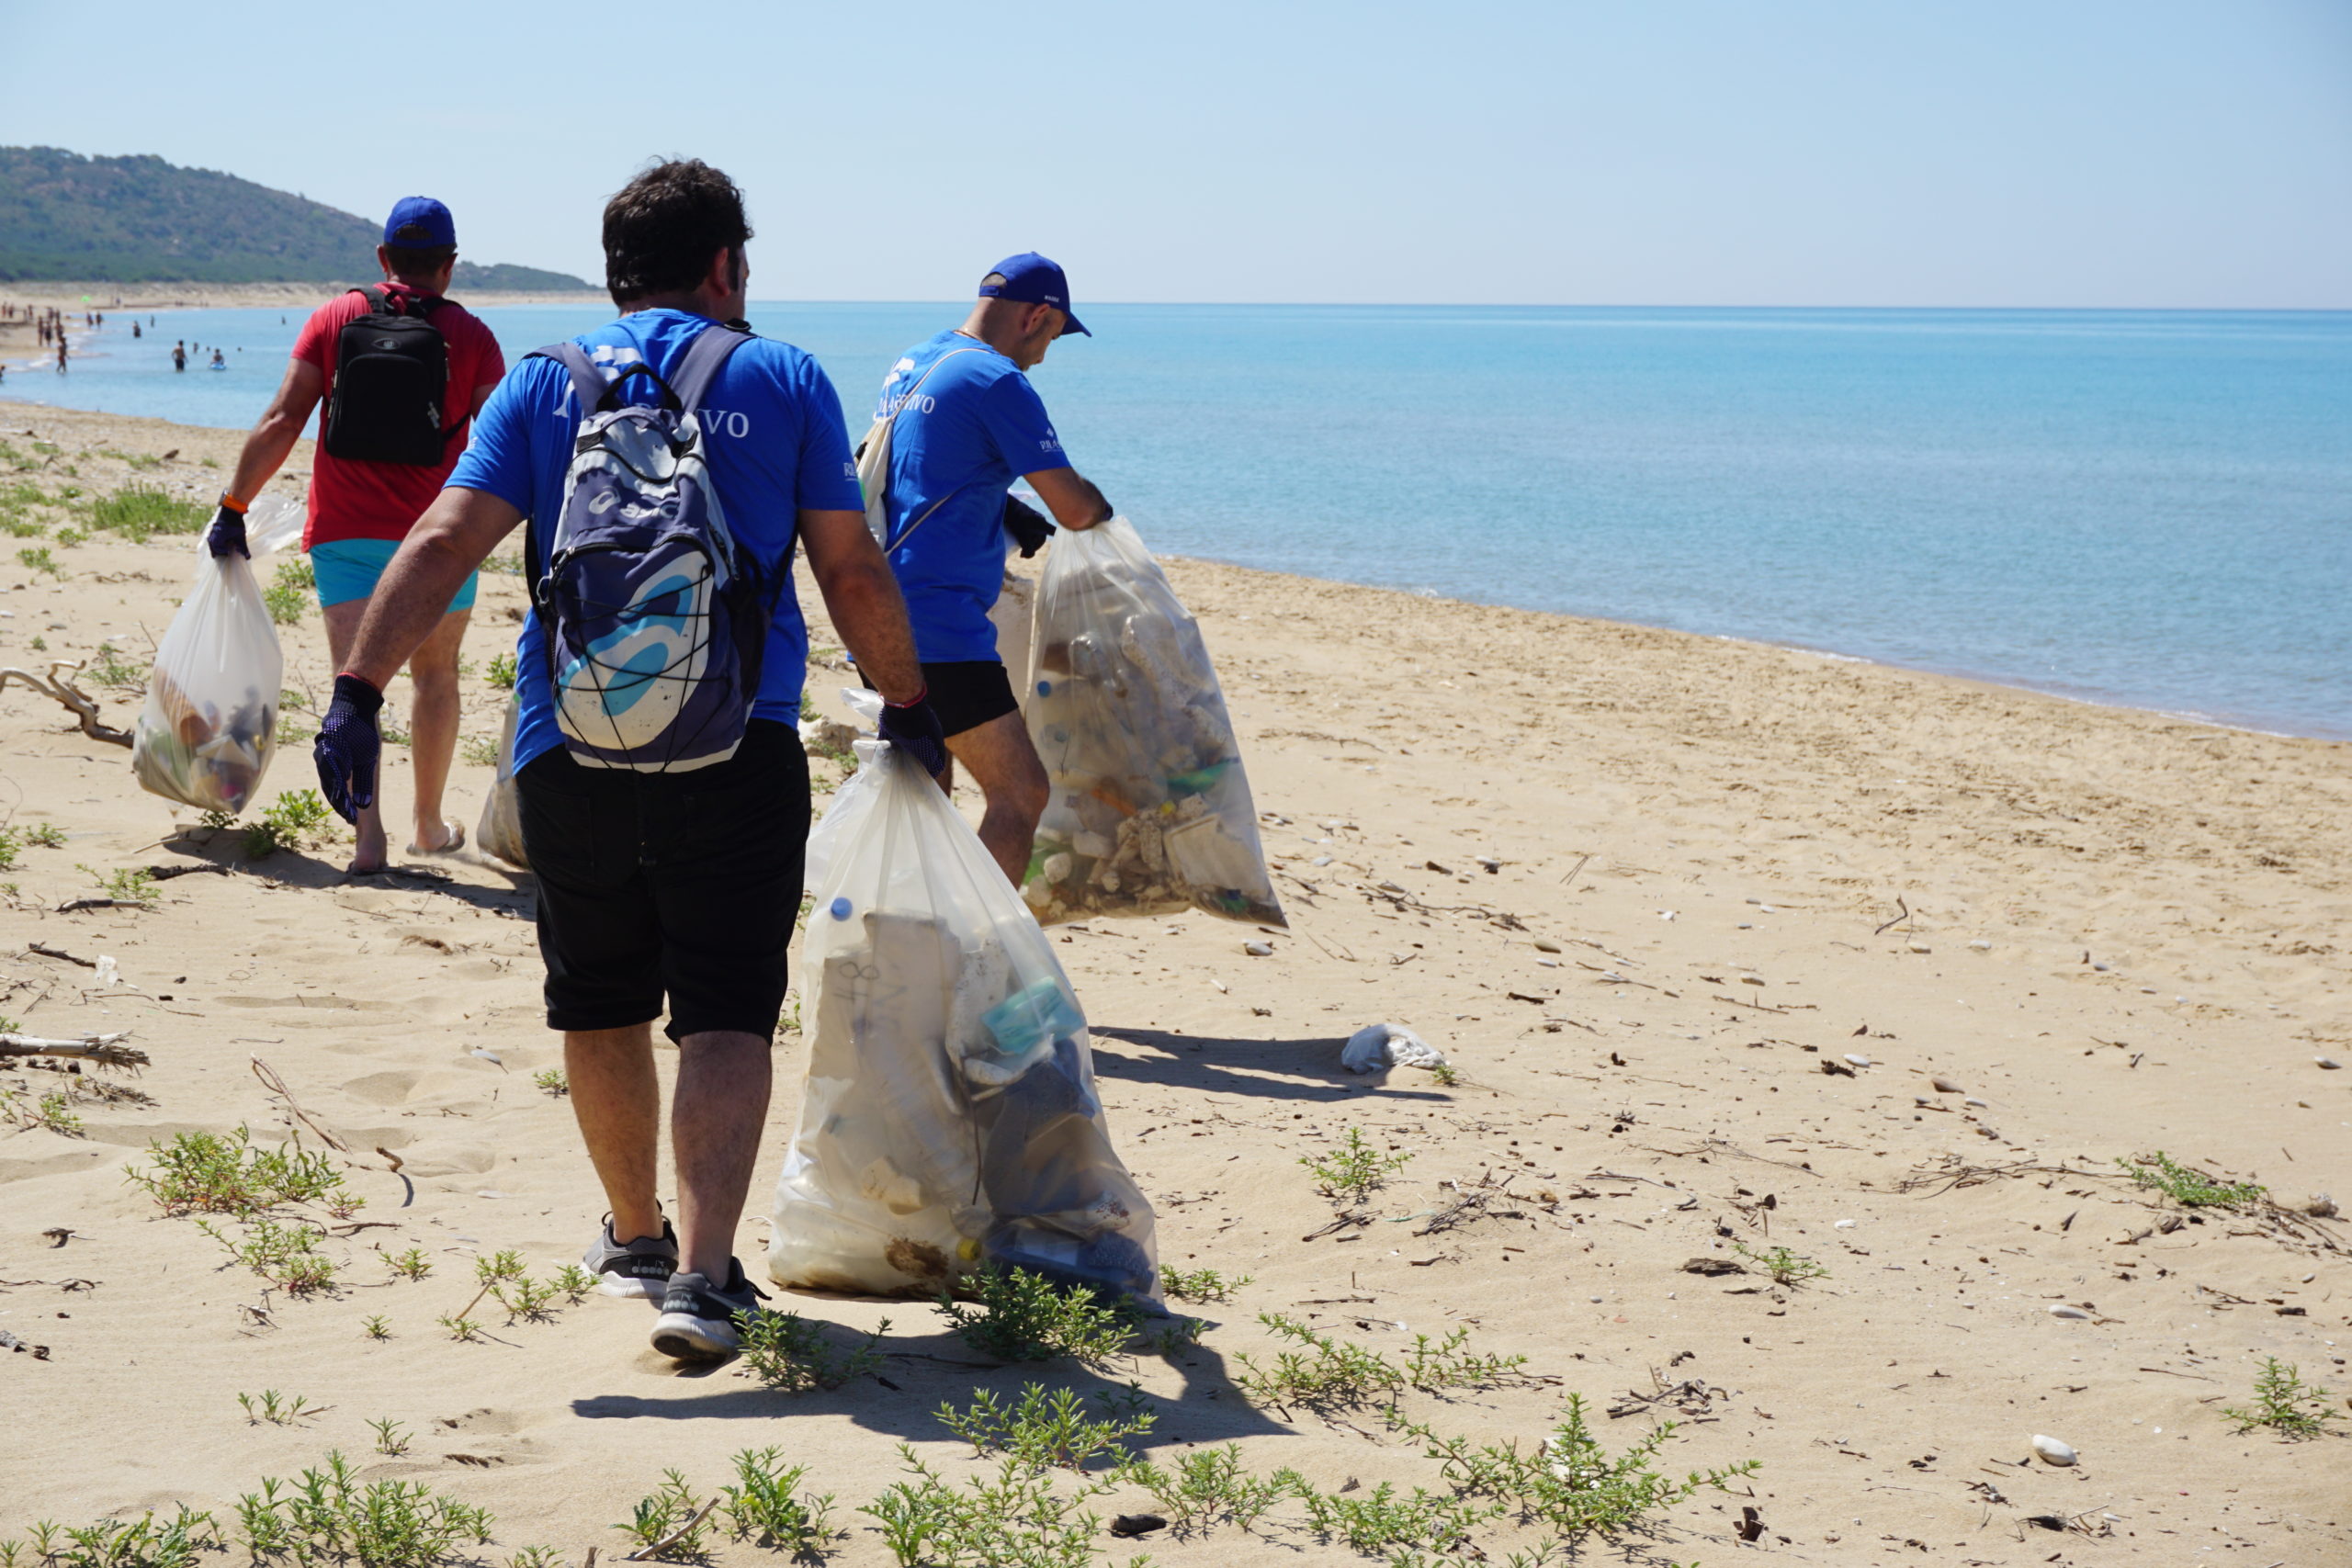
[352, 499]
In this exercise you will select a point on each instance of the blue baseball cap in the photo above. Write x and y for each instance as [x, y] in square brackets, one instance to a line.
[419, 223]
[1033, 281]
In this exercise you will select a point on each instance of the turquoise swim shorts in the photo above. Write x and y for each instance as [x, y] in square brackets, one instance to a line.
[347, 569]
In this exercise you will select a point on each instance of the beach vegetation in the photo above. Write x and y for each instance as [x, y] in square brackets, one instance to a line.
[1782, 1266]
[1050, 1429]
[108, 668]
[391, 1438]
[410, 1264]
[2188, 1185]
[1018, 1315]
[554, 1081]
[328, 1514]
[277, 1409]
[376, 1326]
[460, 1326]
[224, 1173]
[139, 512]
[479, 750]
[575, 1282]
[1352, 1171]
[1326, 1372]
[286, 823]
[1204, 1487]
[500, 674]
[669, 1525]
[142, 1542]
[289, 591]
[38, 558]
[2284, 1403]
[70, 537]
[791, 1354]
[1011, 1517]
[52, 1112]
[1200, 1284]
[766, 1506]
[284, 1253]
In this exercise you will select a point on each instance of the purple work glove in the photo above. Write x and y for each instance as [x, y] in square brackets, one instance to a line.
[912, 727]
[348, 746]
[227, 533]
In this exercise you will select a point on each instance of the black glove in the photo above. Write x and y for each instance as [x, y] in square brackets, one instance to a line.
[227, 533]
[1030, 528]
[914, 728]
[348, 746]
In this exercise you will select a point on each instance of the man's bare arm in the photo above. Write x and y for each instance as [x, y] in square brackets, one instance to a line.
[1075, 502]
[272, 441]
[460, 528]
[862, 596]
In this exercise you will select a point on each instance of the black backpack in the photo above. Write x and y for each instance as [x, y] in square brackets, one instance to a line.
[392, 379]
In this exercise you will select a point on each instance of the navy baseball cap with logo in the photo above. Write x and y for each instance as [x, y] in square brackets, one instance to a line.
[1033, 281]
[420, 223]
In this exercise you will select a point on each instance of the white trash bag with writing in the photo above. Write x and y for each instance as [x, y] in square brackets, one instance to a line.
[209, 726]
[500, 831]
[949, 1121]
[1151, 810]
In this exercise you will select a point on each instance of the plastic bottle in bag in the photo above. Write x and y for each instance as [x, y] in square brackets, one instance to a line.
[500, 831]
[949, 1119]
[1151, 810]
[209, 725]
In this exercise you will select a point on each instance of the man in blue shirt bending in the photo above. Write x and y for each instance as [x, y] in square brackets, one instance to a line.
[669, 886]
[967, 425]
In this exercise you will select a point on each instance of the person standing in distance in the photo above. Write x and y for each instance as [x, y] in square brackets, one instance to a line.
[968, 424]
[654, 885]
[372, 478]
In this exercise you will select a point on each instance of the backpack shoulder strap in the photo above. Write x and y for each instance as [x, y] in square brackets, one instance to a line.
[587, 384]
[701, 362]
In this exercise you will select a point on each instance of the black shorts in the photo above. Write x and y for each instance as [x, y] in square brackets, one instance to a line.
[967, 694]
[677, 885]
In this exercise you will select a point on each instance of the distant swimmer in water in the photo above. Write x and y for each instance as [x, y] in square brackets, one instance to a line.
[218, 362]
[179, 355]
[134, 328]
[60, 354]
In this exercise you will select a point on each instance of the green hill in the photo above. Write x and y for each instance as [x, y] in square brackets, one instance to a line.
[139, 219]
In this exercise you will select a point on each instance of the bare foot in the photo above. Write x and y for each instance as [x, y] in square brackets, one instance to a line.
[450, 837]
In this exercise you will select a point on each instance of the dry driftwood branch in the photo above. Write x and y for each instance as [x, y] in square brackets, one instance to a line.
[277, 1085]
[61, 953]
[103, 1048]
[659, 1546]
[61, 689]
[165, 872]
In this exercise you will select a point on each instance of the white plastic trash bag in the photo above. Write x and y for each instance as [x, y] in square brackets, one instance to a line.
[211, 724]
[275, 522]
[500, 831]
[1151, 810]
[949, 1121]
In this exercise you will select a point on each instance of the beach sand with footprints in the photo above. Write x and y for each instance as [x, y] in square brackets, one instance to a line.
[1731, 948]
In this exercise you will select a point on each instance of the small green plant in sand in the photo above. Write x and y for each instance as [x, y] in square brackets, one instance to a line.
[142, 1542]
[38, 558]
[1410, 1529]
[526, 1298]
[659, 1524]
[285, 1254]
[376, 1326]
[132, 885]
[499, 1266]
[225, 1174]
[554, 1081]
[2185, 1185]
[791, 1354]
[1568, 1482]
[46, 835]
[1208, 1487]
[1022, 1316]
[536, 1557]
[410, 1264]
[289, 591]
[1352, 1171]
[70, 536]
[329, 1515]
[1050, 1430]
[1200, 1284]
[53, 1110]
[277, 1409]
[1781, 1266]
[2284, 1403]
[139, 512]
[766, 1506]
[391, 1438]
[12, 844]
[1014, 1516]
[575, 1282]
[108, 667]
[507, 565]
[1331, 1373]
[501, 672]
[286, 823]
[481, 750]
[460, 1326]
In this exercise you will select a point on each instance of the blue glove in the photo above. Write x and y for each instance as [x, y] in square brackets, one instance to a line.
[914, 728]
[227, 533]
[1030, 528]
[348, 746]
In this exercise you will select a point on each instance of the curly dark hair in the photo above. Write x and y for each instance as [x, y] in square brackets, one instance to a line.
[662, 227]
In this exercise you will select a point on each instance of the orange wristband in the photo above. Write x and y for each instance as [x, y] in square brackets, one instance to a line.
[233, 504]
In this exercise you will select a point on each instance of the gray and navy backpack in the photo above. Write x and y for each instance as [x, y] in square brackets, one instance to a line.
[655, 618]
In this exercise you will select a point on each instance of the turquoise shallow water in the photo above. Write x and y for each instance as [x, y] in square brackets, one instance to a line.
[2147, 508]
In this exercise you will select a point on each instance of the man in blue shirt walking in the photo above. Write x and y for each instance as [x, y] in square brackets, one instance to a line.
[968, 424]
[671, 885]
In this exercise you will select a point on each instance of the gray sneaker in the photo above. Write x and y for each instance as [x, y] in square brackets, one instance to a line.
[697, 1321]
[639, 1268]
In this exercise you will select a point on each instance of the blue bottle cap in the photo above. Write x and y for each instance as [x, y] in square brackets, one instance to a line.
[840, 909]
[1045, 688]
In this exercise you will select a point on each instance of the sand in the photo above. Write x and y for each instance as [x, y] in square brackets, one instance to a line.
[1642, 889]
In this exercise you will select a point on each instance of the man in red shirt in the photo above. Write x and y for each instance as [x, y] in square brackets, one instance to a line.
[362, 507]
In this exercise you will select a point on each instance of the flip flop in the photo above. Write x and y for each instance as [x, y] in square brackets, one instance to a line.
[457, 842]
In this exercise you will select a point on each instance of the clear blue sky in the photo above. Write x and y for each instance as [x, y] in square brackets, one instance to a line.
[2085, 152]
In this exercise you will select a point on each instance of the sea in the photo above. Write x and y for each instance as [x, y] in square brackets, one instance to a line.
[2151, 509]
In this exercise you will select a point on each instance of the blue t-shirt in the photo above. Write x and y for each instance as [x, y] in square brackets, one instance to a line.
[773, 437]
[975, 426]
